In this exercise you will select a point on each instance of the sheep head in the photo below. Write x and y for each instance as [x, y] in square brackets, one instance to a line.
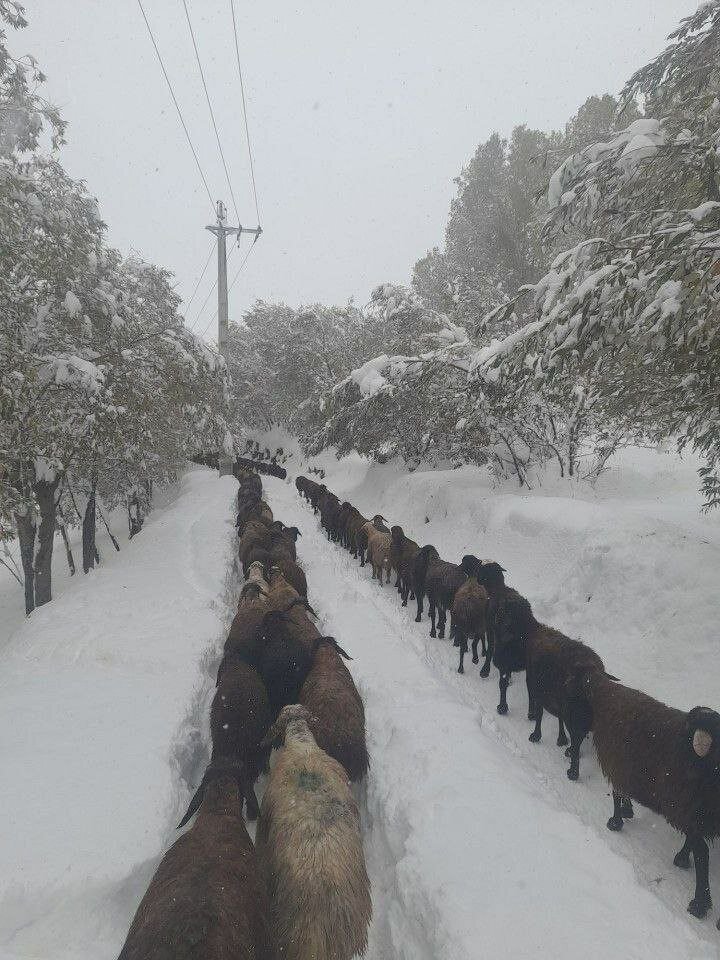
[703, 737]
[292, 722]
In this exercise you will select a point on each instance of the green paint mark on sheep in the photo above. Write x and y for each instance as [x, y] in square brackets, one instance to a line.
[309, 780]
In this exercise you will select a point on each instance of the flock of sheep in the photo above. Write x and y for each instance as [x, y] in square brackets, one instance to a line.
[666, 759]
[301, 892]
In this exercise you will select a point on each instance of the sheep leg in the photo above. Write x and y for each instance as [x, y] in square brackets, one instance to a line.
[361, 551]
[485, 669]
[616, 821]
[476, 640]
[441, 622]
[431, 612]
[682, 857]
[419, 597]
[701, 902]
[627, 809]
[573, 752]
[562, 740]
[502, 707]
[404, 592]
[461, 639]
[537, 709]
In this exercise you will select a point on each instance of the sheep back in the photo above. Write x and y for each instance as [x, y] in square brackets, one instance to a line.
[308, 839]
[207, 899]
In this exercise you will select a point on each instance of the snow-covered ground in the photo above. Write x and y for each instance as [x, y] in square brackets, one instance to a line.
[476, 840]
[102, 700]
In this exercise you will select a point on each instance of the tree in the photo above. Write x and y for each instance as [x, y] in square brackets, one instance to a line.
[635, 307]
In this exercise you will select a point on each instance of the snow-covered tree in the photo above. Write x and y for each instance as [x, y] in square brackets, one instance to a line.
[634, 308]
[101, 386]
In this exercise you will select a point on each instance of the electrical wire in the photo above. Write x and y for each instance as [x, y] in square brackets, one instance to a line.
[200, 278]
[210, 107]
[177, 105]
[245, 118]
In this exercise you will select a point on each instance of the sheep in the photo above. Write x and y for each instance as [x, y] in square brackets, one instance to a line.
[281, 652]
[378, 524]
[438, 579]
[355, 523]
[402, 558]
[239, 721]
[491, 576]
[665, 759]
[468, 615]
[508, 619]
[208, 899]
[308, 839]
[291, 571]
[332, 698]
[256, 574]
[329, 506]
[378, 553]
[553, 664]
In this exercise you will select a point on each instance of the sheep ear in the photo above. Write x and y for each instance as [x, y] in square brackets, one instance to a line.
[702, 742]
[194, 804]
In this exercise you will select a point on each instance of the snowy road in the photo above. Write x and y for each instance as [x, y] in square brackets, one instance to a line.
[477, 844]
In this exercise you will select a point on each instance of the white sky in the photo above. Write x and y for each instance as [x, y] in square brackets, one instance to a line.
[361, 114]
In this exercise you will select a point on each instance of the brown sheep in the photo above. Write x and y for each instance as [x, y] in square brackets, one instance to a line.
[207, 899]
[239, 721]
[468, 615]
[378, 553]
[308, 839]
[664, 758]
[377, 523]
[338, 715]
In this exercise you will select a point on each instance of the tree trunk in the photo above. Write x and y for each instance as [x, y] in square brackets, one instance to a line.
[25, 525]
[68, 551]
[88, 534]
[45, 493]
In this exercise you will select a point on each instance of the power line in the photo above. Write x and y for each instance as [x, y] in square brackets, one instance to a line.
[212, 112]
[232, 282]
[177, 105]
[199, 281]
[244, 106]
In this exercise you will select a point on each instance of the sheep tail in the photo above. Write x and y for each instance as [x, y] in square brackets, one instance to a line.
[298, 602]
[331, 641]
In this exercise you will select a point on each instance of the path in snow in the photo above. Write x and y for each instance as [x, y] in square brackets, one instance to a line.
[476, 841]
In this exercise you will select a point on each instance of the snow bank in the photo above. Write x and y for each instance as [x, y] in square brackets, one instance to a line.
[94, 689]
[476, 840]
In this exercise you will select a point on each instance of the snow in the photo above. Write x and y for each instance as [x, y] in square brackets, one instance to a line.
[476, 841]
[72, 304]
[97, 728]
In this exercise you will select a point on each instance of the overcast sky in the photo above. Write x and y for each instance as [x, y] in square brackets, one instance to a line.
[361, 114]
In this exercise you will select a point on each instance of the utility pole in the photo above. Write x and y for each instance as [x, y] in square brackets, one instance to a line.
[221, 231]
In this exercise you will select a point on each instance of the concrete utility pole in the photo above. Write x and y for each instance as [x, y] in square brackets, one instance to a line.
[221, 231]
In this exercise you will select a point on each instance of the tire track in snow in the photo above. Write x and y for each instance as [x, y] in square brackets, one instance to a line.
[458, 834]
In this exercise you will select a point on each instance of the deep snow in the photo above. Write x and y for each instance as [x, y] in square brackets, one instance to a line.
[102, 698]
